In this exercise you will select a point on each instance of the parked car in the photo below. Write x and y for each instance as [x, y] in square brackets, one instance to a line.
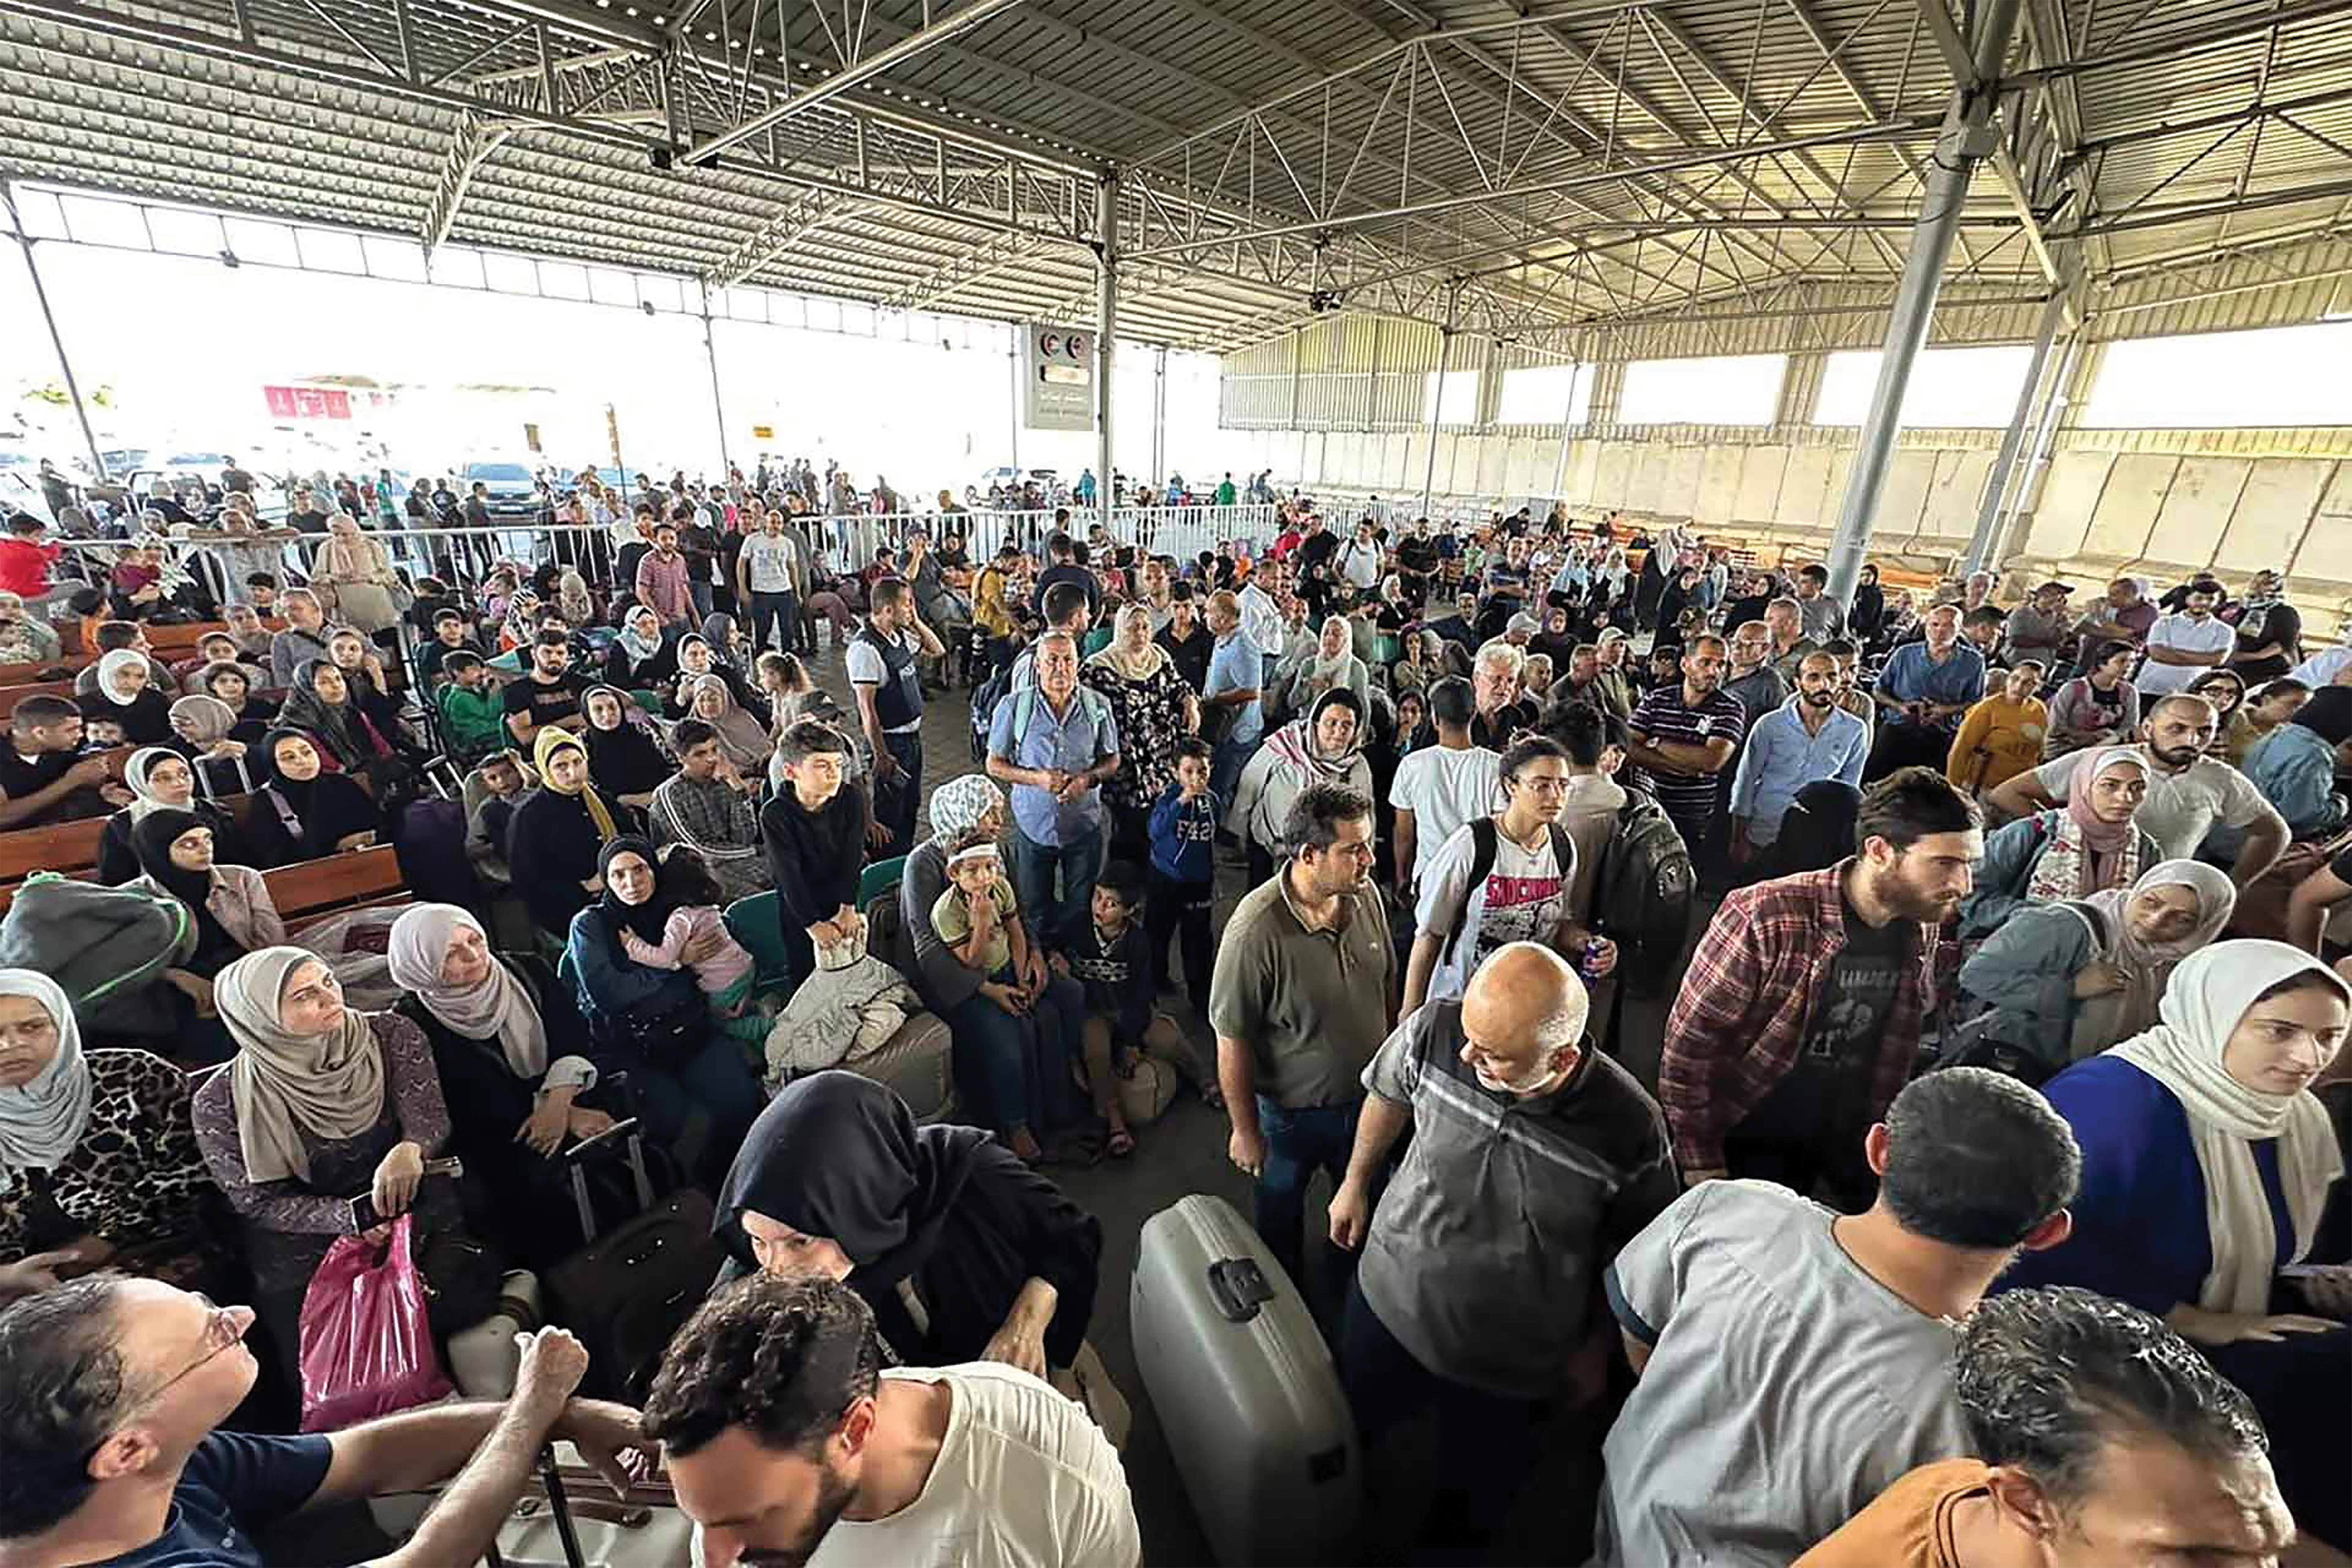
[509, 489]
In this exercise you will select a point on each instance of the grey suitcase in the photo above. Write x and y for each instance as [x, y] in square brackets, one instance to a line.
[1245, 1391]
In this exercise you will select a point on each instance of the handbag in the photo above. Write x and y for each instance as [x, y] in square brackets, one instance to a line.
[676, 1029]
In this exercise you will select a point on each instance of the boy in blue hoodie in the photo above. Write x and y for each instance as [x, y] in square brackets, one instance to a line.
[1183, 829]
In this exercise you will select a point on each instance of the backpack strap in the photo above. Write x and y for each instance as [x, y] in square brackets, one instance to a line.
[1483, 833]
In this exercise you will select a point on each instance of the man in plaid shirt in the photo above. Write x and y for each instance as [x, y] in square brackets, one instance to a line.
[1800, 1015]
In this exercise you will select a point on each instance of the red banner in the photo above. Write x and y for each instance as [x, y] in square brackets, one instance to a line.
[307, 402]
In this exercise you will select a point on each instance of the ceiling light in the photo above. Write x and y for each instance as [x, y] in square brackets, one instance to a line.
[709, 37]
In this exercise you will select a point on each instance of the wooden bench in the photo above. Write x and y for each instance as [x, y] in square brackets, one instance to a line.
[309, 890]
[69, 846]
[12, 695]
[26, 673]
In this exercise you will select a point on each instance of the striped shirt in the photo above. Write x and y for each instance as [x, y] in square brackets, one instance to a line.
[1689, 798]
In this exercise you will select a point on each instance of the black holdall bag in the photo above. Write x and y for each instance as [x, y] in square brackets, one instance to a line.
[631, 1287]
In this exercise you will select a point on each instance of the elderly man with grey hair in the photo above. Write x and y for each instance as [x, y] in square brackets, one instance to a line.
[1534, 1158]
[1494, 675]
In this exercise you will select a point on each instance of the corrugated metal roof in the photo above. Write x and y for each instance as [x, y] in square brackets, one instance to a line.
[1661, 172]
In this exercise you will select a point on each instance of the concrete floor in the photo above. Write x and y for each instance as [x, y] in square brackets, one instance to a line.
[1184, 1153]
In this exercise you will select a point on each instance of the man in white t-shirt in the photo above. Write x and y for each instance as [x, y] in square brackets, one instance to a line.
[1438, 789]
[2188, 792]
[1521, 894]
[2184, 644]
[788, 1444]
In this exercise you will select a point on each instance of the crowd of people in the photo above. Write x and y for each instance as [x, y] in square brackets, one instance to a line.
[1874, 1058]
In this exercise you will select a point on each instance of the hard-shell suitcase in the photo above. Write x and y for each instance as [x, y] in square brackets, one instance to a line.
[628, 1290]
[1246, 1390]
[578, 1523]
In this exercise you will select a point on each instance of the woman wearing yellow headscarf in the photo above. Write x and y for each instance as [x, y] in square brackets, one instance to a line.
[557, 833]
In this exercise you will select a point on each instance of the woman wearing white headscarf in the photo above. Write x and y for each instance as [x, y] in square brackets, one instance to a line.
[2057, 982]
[742, 738]
[160, 777]
[321, 1127]
[510, 1048]
[126, 696]
[98, 1159]
[1325, 747]
[2206, 1163]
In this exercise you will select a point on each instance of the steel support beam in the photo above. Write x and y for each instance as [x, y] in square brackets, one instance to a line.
[2013, 440]
[57, 338]
[1105, 336]
[718, 402]
[471, 149]
[1968, 137]
[797, 221]
[1437, 403]
[881, 61]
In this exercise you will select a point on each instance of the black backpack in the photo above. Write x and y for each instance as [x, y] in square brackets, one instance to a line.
[1483, 835]
[984, 709]
[1641, 894]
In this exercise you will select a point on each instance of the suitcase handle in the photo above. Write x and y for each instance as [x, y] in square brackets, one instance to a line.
[1238, 1287]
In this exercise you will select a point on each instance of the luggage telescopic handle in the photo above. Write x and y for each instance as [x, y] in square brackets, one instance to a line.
[1238, 1287]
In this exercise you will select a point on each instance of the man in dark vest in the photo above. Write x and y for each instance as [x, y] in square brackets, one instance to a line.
[883, 673]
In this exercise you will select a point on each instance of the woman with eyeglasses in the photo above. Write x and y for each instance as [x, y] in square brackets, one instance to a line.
[99, 1166]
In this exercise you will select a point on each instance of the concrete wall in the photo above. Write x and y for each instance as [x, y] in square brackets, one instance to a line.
[2162, 501]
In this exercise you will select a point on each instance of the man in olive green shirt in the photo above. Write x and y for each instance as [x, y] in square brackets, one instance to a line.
[1304, 994]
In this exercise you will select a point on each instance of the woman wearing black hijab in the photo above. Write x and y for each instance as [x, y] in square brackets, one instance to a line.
[964, 1252]
[654, 1023]
[624, 759]
[1861, 622]
[301, 812]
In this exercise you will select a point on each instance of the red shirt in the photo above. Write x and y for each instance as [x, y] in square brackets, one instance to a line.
[24, 566]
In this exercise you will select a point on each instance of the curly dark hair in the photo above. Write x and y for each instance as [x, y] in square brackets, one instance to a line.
[2048, 1378]
[783, 1359]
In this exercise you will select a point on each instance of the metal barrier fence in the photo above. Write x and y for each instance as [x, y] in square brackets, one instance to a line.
[849, 542]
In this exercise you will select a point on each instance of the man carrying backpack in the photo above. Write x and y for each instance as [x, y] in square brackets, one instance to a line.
[1503, 879]
[1054, 744]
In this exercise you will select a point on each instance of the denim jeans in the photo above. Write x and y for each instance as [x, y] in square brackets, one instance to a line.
[1014, 1070]
[1225, 767]
[1051, 919]
[783, 610]
[700, 594]
[700, 1108]
[1486, 1445]
[1298, 1145]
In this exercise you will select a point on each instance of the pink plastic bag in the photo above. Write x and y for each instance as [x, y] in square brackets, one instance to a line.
[366, 1348]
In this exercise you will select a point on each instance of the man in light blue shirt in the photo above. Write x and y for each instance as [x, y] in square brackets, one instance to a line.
[1236, 668]
[1055, 744]
[1805, 739]
[1923, 689]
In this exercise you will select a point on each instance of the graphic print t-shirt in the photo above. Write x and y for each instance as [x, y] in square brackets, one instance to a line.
[1523, 899]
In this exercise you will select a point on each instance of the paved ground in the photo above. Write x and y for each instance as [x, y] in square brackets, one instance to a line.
[1185, 1152]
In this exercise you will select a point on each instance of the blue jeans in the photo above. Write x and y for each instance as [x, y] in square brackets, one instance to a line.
[1014, 1070]
[1225, 767]
[1298, 1145]
[700, 1108]
[1051, 919]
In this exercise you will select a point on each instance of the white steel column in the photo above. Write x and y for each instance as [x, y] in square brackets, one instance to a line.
[1969, 136]
[1437, 399]
[57, 338]
[718, 402]
[2013, 440]
[1106, 330]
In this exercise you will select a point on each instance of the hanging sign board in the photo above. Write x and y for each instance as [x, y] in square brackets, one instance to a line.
[763, 432]
[1058, 373]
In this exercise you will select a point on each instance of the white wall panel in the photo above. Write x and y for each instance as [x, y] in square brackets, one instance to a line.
[2062, 520]
[2128, 509]
[1806, 500]
[1761, 469]
[2196, 511]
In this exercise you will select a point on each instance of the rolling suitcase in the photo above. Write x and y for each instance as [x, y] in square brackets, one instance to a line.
[628, 1290]
[579, 1524]
[1246, 1390]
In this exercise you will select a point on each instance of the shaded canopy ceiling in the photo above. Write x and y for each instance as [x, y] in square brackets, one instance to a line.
[1537, 166]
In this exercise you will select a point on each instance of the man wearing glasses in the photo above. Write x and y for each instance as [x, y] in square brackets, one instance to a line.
[1534, 1158]
[110, 1392]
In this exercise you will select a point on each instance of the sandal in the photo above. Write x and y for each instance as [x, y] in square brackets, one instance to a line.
[1121, 1145]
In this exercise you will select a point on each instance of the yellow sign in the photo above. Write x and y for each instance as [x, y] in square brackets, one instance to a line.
[763, 432]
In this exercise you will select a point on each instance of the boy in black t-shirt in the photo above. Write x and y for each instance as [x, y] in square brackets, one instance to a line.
[1110, 956]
